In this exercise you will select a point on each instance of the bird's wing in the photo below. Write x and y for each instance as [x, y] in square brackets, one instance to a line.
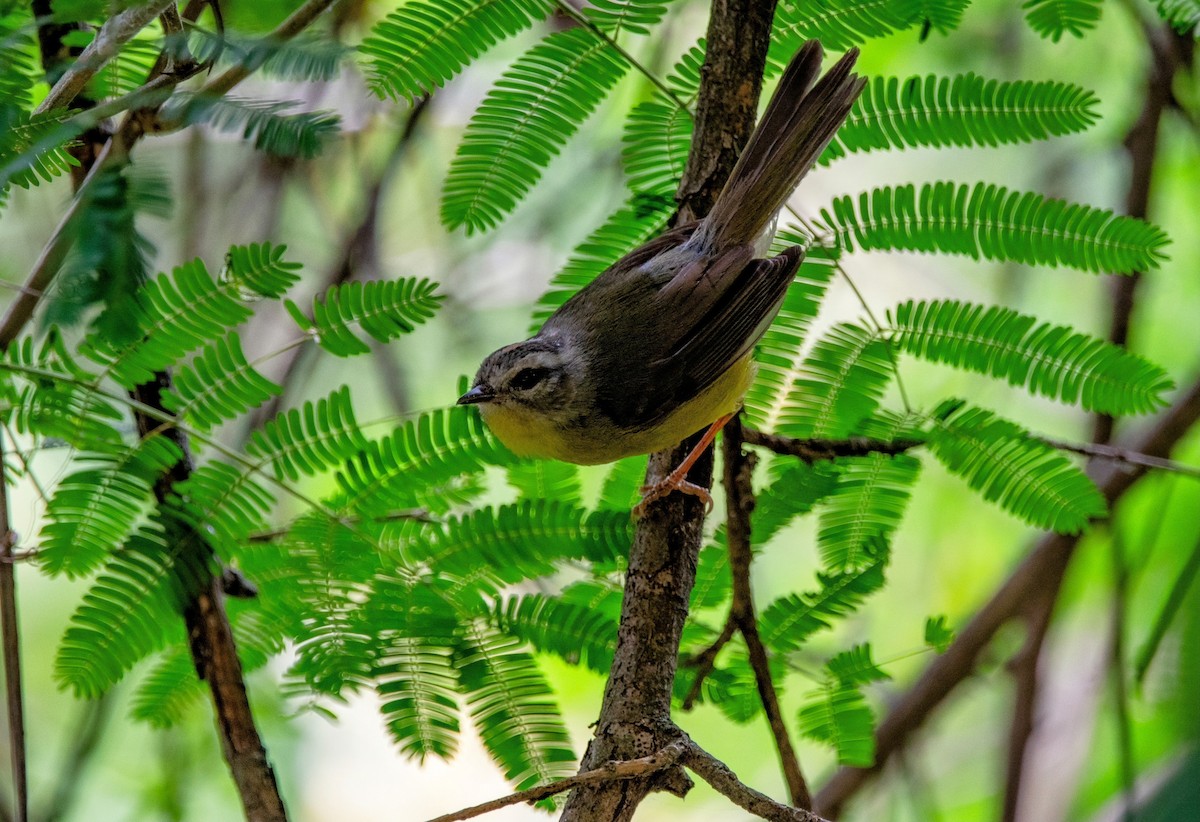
[694, 327]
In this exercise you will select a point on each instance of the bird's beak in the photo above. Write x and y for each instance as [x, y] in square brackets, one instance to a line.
[477, 394]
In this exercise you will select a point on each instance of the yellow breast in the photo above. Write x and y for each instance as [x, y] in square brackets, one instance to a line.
[528, 433]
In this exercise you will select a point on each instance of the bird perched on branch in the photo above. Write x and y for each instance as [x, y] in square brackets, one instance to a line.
[660, 344]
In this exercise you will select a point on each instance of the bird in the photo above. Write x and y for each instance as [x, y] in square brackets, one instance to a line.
[660, 345]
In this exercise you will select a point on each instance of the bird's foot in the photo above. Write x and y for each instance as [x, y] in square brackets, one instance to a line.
[652, 493]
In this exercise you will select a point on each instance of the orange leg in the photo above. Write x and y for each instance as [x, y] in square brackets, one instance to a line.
[675, 481]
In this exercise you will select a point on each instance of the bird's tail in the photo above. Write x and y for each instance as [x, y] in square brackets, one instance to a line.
[799, 122]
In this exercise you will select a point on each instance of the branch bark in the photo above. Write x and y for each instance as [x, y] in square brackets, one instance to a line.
[635, 714]
[740, 494]
[211, 641]
[115, 33]
[12, 653]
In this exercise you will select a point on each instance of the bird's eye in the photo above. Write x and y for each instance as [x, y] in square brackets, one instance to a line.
[527, 378]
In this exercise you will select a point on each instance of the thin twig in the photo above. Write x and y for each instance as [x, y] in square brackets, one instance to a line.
[739, 468]
[705, 661]
[625, 769]
[12, 654]
[299, 20]
[1024, 669]
[725, 782]
[1114, 453]
[818, 450]
[115, 33]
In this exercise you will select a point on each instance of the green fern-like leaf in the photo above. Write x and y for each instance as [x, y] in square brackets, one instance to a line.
[684, 78]
[308, 57]
[55, 402]
[259, 270]
[732, 686]
[513, 709]
[867, 505]
[840, 716]
[218, 385]
[1183, 15]
[129, 68]
[580, 626]
[422, 44]
[794, 490]
[272, 126]
[132, 608]
[170, 692]
[964, 110]
[415, 681]
[384, 309]
[409, 467]
[1025, 476]
[19, 71]
[310, 439]
[1050, 360]
[628, 227]
[110, 256]
[1054, 18]
[415, 677]
[534, 108]
[492, 548]
[838, 713]
[546, 479]
[994, 223]
[94, 510]
[658, 135]
[713, 584]
[855, 667]
[840, 24]
[33, 148]
[937, 634]
[306, 580]
[634, 16]
[839, 383]
[778, 353]
[225, 502]
[788, 622]
[621, 489]
[176, 313]
[180, 312]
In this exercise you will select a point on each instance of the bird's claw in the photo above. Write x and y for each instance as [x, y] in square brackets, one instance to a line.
[652, 493]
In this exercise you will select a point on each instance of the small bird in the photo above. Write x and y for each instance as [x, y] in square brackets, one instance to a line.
[661, 343]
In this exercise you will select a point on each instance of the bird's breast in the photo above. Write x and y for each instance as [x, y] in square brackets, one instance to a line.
[593, 438]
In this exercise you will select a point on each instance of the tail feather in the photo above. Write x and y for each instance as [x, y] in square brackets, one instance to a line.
[797, 125]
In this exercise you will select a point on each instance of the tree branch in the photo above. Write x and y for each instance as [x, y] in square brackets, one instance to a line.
[725, 782]
[739, 492]
[609, 771]
[819, 450]
[12, 653]
[1024, 669]
[115, 33]
[211, 639]
[635, 713]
